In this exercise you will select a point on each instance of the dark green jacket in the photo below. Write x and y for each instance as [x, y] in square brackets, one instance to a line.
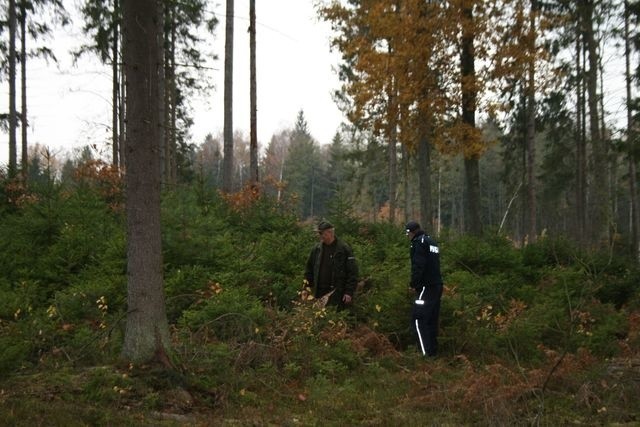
[344, 271]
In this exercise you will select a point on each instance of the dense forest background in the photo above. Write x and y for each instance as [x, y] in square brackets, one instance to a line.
[526, 129]
[163, 283]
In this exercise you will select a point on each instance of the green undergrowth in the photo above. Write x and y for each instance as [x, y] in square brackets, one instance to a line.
[548, 334]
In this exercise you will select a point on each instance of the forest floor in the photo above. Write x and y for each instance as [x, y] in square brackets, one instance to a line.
[386, 393]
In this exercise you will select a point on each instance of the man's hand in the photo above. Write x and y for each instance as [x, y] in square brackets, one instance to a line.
[346, 299]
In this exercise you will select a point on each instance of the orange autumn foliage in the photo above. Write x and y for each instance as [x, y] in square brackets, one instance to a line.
[244, 199]
[105, 178]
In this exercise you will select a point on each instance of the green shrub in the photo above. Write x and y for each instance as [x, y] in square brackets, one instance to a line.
[487, 255]
[618, 287]
[229, 314]
[278, 254]
[14, 352]
[599, 327]
[387, 309]
[549, 252]
[18, 298]
[185, 286]
[105, 385]
[89, 316]
[92, 299]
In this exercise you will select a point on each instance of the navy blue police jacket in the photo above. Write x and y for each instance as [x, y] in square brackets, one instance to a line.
[425, 261]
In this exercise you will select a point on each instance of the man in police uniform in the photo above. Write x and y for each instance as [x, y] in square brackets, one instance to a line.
[426, 282]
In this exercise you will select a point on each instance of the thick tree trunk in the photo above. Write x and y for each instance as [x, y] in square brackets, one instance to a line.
[227, 164]
[147, 332]
[253, 144]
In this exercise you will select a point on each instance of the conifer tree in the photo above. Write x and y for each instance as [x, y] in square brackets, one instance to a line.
[13, 149]
[147, 331]
[227, 170]
[303, 168]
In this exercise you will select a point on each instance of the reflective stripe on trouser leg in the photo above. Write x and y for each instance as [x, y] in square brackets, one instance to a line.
[421, 302]
[420, 338]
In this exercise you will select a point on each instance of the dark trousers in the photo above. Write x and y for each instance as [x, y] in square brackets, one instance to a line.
[425, 314]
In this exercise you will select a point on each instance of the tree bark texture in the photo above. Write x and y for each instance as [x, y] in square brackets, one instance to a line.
[147, 331]
[424, 174]
[13, 147]
[531, 127]
[115, 149]
[393, 151]
[172, 126]
[471, 161]
[599, 203]
[581, 153]
[405, 183]
[633, 173]
[121, 117]
[227, 164]
[253, 144]
[23, 87]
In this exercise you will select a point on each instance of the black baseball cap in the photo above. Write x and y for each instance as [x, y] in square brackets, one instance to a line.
[412, 226]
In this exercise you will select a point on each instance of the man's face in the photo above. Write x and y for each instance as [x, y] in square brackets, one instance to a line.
[327, 236]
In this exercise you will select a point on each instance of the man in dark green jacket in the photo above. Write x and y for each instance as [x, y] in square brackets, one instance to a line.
[331, 267]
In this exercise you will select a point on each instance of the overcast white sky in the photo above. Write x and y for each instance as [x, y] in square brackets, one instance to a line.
[70, 107]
